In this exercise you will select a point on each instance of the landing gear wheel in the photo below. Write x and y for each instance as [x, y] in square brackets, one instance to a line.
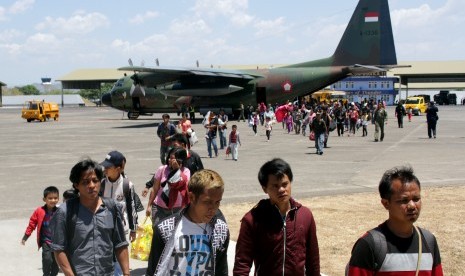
[133, 115]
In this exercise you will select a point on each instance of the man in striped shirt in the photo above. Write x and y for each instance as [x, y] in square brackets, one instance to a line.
[397, 247]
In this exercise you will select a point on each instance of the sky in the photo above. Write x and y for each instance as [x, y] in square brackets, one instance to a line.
[51, 38]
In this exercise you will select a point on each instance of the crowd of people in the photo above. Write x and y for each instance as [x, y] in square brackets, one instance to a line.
[89, 233]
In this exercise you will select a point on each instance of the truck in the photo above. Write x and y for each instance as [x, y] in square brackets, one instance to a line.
[417, 104]
[445, 98]
[40, 110]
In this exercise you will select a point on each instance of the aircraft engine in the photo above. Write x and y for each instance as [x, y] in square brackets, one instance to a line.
[137, 88]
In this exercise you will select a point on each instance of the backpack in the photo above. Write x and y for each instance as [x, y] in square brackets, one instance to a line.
[127, 195]
[380, 243]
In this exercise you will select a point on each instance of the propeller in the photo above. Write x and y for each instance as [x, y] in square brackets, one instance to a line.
[137, 87]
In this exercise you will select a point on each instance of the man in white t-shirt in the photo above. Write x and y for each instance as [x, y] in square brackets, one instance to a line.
[201, 235]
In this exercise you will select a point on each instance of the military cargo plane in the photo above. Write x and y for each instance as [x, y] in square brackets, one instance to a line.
[367, 46]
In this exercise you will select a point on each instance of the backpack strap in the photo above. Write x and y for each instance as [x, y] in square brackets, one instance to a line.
[380, 247]
[102, 187]
[429, 237]
[72, 209]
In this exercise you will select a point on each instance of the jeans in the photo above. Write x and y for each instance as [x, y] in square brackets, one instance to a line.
[118, 270]
[49, 265]
[223, 143]
[400, 120]
[163, 153]
[319, 142]
[340, 129]
[210, 142]
[432, 128]
[241, 116]
[379, 127]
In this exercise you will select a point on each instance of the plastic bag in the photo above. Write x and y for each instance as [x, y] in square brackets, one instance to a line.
[312, 136]
[193, 139]
[140, 247]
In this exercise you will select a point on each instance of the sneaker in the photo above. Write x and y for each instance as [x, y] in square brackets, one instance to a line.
[376, 140]
[321, 153]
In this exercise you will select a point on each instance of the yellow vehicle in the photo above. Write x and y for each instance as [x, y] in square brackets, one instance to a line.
[327, 96]
[40, 110]
[418, 105]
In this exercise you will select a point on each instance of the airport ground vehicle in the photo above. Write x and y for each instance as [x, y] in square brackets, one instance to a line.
[445, 98]
[418, 104]
[327, 96]
[40, 110]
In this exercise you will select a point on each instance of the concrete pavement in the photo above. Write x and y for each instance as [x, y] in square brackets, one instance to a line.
[36, 155]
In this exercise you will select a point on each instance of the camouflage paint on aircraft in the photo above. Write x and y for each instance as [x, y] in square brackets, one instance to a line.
[367, 45]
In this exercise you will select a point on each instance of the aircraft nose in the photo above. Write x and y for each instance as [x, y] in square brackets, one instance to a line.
[106, 99]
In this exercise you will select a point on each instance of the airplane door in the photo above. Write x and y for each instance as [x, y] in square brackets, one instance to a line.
[261, 94]
[136, 103]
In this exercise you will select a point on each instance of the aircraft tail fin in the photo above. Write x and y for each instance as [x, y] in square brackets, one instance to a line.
[368, 38]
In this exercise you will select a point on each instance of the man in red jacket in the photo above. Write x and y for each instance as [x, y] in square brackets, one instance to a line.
[279, 234]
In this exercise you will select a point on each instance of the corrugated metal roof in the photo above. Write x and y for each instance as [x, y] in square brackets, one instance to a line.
[68, 99]
[431, 67]
[92, 78]
[102, 74]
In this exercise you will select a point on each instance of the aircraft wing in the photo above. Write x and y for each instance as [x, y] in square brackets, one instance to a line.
[179, 81]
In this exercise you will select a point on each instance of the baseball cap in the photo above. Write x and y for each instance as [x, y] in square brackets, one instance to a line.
[114, 158]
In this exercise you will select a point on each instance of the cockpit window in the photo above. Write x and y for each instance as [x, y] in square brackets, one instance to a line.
[119, 83]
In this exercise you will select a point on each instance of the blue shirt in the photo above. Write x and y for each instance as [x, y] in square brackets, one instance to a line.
[95, 238]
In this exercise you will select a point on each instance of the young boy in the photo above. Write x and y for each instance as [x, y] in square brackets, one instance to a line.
[194, 241]
[113, 187]
[365, 124]
[69, 194]
[40, 219]
[234, 140]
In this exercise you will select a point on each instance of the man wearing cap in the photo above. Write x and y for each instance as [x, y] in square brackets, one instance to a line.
[112, 186]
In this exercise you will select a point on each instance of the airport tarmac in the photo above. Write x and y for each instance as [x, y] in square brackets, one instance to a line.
[35, 155]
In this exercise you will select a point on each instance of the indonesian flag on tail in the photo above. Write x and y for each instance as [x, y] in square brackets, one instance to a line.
[371, 17]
